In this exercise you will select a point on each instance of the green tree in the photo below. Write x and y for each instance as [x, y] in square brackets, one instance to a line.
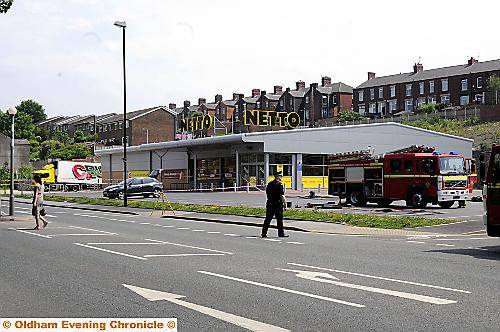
[25, 172]
[5, 5]
[428, 108]
[79, 136]
[23, 123]
[32, 108]
[494, 84]
[349, 116]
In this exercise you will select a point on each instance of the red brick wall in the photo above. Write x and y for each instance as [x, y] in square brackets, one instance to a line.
[490, 113]
[160, 125]
[345, 102]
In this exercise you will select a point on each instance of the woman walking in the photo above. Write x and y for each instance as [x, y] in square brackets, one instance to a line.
[38, 211]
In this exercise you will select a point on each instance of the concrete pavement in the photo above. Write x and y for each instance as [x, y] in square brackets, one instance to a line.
[313, 282]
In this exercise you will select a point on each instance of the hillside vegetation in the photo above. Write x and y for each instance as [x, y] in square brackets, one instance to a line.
[483, 134]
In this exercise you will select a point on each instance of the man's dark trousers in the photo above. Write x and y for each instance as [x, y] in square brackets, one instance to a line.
[273, 210]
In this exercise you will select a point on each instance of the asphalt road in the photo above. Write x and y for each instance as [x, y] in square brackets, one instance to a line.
[77, 267]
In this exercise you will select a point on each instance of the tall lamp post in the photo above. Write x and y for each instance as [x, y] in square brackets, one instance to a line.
[12, 112]
[123, 25]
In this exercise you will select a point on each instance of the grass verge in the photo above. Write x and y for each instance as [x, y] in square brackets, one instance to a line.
[360, 220]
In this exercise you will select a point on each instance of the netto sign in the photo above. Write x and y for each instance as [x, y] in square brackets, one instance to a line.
[271, 118]
[195, 123]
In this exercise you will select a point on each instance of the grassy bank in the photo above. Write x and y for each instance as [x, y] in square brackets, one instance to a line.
[293, 214]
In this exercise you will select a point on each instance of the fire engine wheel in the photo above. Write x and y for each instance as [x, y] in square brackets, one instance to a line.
[356, 198]
[417, 199]
[446, 205]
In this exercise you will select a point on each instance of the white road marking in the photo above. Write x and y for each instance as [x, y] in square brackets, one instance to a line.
[157, 225]
[381, 278]
[250, 237]
[192, 247]
[182, 227]
[249, 324]
[415, 242]
[483, 249]
[82, 234]
[23, 231]
[474, 232]
[184, 255]
[145, 223]
[352, 304]
[213, 232]
[294, 242]
[110, 251]
[91, 229]
[123, 243]
[230, 234]
[329, 279]
[198, 230]
[272, 240]
[445, 245]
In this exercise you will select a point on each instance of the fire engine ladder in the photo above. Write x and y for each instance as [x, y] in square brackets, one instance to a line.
[353, 155]
[414, 149]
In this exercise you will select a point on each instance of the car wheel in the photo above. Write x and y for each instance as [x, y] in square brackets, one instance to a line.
[120, 196]
[157, 192]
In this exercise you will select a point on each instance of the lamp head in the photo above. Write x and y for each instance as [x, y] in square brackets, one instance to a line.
[121, 24]
[12, 111]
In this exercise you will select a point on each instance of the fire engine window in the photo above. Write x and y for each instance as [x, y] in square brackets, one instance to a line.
[396, 166]
[429, 166]
[408, 165]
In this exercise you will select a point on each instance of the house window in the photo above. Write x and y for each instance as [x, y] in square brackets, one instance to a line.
[464, 100]
[408, 105]
[420, 101]
[360, 95]
[431, 86]
[373, 108]
[120, 125]
[393, 91]
[444, 84]
[381, 92]
[392, 105]
[307, 100]
[127, 123]
[421, 87]
[372, 94]
[362, 109]
[325, 100]
[479, 82]
[431, 100]
[479, 98]
[464, 85]
[408, 90]
[381, 107]
[445, 99]
[281, 102]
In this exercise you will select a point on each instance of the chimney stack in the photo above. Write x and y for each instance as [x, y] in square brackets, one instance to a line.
[417, 68]
[278, 89]
[255, 92]
[314, 86]
[236, 95]
[218, 98]
[472, 61]
[202, 101]
[325, 80]
[300, 85]
[172, 106]
[187, 103]
[371, 75]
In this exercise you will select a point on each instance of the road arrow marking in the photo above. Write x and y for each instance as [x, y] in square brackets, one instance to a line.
[329, 279]
[381, 278]
[284, 289]
[249, 324]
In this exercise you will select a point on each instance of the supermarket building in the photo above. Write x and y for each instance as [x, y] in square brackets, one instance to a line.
[250, 159]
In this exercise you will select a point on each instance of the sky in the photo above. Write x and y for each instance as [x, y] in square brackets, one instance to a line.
[66, 54]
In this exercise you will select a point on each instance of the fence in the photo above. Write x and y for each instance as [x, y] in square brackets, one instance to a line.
[458, 114]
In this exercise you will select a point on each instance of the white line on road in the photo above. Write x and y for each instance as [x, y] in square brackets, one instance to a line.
[184, 255]
[213, 232]
[329, 279]
[381, 278]
[82, 234]
[192, 247]
[284, 289]
[249, 324]
[93, 230]
[445, 245]
[110, 251]
[145, 223]
[231, 234]
[123, 243]
[416, 242]
[294, 242]
[272, 240]
[198, 230]
[167, 226]
[23, 231]
[182, 227]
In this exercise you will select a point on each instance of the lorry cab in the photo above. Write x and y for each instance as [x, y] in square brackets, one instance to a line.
[47, 173]
[491, 194]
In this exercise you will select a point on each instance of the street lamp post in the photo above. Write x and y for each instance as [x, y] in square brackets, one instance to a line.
[123, 25]
[12, 112]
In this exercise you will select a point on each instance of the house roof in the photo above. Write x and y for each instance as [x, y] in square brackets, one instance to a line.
[250, 100]
[134, 114]
[211, 106]
[52, 119]
[273, 96]
[300, 93]
[464, 69]
[338, 87]
[231, 102]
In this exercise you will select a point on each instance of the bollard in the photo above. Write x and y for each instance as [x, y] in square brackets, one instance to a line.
[319, 188]
[212, 186]
[248, 187]
[222, 186]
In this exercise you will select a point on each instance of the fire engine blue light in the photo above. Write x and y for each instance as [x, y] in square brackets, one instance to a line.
[436, 153]
[453, 153]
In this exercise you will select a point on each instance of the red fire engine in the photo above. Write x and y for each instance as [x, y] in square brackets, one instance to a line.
[416, 174]
[491, 194]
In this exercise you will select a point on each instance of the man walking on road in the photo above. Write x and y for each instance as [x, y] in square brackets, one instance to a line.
[275, 205]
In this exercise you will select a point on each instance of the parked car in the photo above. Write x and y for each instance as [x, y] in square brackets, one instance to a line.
[135, 187]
